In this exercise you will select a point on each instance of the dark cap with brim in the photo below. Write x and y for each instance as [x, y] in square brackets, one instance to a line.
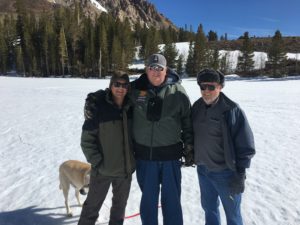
[210, 75]
[118, 75]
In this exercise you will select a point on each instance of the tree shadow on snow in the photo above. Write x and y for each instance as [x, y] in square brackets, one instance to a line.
[35, 216]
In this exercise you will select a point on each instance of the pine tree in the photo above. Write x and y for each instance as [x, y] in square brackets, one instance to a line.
[3, 51]
[143, 40]
[152, 41]
[214, 61]
[277, 55]
[10, 39]
[201, 52]
[212, 36]
[189, 67]
[245, 61]
[224, 67]
[179, 68]
[116, 54]
[63, 53]
[170, 52]
[20, 68]
[127, 43]
[101, 48]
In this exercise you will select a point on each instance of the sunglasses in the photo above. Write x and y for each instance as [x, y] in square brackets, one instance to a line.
[121, 85]
[156, 68]
[209, 87]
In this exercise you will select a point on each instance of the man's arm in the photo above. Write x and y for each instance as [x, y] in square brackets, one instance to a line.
[89, 142]
[187, 129]
[243, 140]
[90, 106]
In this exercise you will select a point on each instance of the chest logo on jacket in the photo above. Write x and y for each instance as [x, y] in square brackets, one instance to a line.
[142, 96]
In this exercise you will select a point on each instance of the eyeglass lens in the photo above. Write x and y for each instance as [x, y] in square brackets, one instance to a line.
[210, 87]
[156, 68]
[122, 85]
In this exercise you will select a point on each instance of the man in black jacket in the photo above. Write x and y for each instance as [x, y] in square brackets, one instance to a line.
[223, 147]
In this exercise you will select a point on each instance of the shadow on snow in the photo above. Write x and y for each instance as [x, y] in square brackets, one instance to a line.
[35, 216]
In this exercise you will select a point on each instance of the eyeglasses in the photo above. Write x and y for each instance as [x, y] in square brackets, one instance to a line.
[209, 87]
[121, 85]
[156, 68]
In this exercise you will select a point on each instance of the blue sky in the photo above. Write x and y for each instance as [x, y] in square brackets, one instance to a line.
[259, 17]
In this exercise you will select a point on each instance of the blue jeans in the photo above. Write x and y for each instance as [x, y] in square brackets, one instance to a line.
[156, 176]
[215, 185]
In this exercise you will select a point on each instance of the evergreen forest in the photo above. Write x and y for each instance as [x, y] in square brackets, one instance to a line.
[66, 42]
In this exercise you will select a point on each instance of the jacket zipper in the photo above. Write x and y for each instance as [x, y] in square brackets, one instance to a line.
[151, 139]
[151, 146]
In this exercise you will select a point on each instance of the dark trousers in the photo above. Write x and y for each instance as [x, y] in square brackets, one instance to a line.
[99, 186]
[156, 176]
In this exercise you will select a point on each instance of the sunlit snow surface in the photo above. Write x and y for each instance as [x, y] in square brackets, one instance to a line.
[40, 128]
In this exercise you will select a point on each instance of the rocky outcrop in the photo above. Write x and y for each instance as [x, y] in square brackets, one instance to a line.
[136, 11]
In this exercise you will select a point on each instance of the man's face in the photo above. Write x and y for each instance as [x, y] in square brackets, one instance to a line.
[156, 74]
[210, 91]
[119, 89]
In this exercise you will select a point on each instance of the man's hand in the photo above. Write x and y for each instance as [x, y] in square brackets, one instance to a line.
[188, 155]
[237, 183]
[90, 106]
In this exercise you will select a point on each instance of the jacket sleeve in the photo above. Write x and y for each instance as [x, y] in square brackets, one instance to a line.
[186, 120]
[89, 142]
[242, 139]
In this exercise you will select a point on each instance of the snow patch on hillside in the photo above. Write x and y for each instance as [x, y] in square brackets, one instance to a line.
[98, 6]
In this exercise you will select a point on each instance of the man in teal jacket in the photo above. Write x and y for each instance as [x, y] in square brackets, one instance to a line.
[162, 133]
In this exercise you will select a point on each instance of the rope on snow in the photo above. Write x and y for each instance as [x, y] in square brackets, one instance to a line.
[128, 217]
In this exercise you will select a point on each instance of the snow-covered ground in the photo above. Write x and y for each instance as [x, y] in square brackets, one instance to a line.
[40, 128]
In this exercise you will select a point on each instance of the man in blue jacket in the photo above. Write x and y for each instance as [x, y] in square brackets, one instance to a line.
[223, 148]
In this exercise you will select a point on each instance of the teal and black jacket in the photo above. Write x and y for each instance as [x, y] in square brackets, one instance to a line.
[106, 139]
[162, 125]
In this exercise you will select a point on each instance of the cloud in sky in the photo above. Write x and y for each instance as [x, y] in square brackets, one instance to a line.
[269, 19]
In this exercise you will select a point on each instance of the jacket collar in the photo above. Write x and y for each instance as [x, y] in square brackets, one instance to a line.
[224, 103]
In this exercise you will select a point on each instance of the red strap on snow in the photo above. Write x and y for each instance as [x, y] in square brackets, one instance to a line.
[131, 216]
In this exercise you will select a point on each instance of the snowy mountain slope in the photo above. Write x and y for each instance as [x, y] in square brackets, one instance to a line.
[40, 128]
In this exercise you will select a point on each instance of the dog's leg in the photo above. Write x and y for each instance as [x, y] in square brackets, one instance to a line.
[66, 193]
[77, 196]
[65, 186]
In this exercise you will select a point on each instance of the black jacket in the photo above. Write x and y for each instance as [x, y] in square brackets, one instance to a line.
[238, 142]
